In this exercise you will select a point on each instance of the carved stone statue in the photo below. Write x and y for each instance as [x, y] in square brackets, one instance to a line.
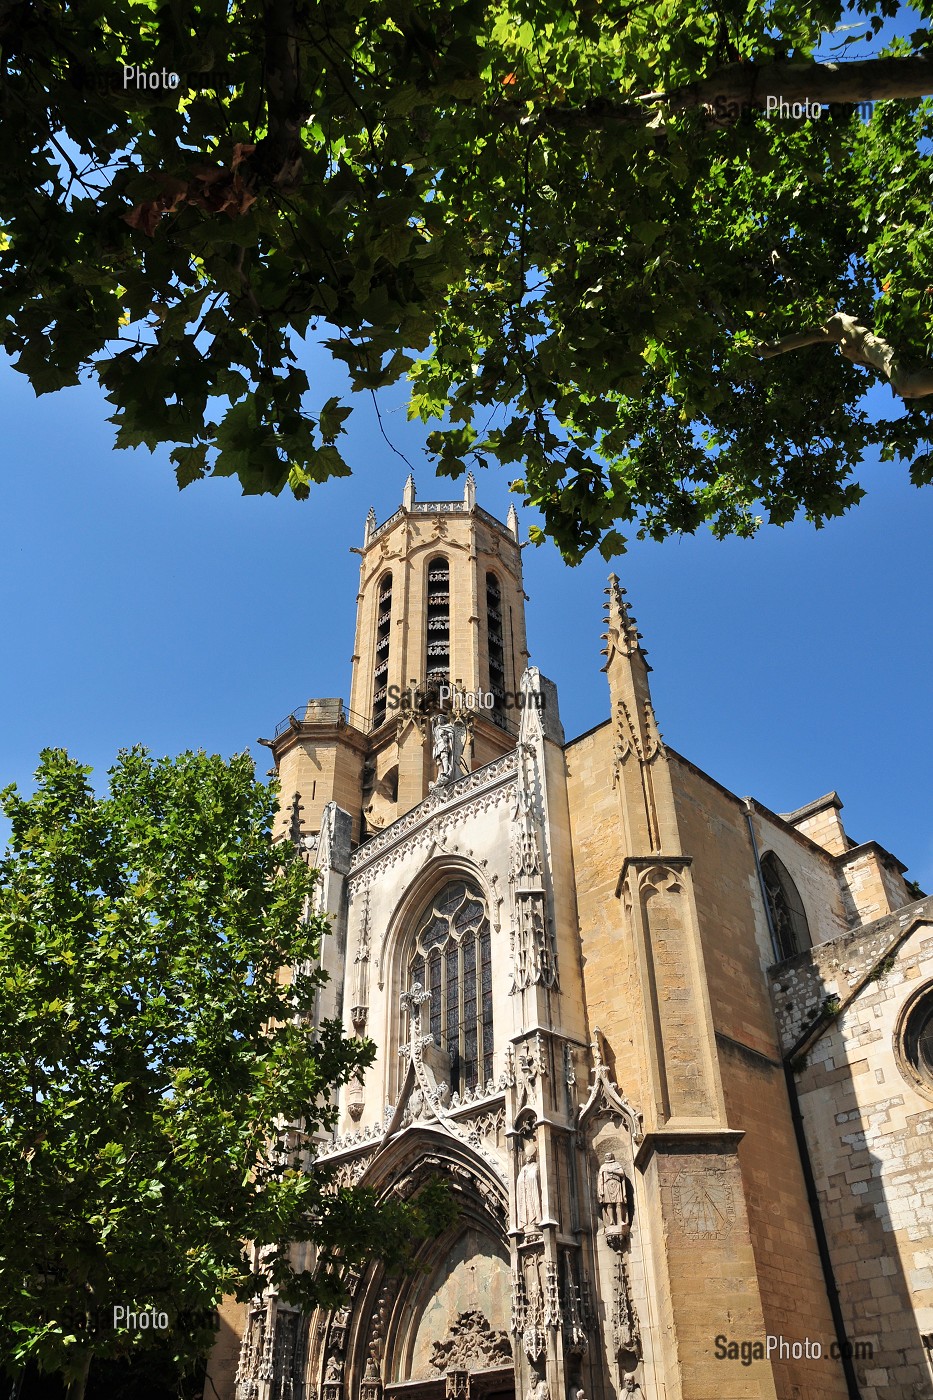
[630, 1385]
[372, 1368]
[334, 1369]
[538, 1390]
[612, 1194]
[528, 1191]
[443, 751]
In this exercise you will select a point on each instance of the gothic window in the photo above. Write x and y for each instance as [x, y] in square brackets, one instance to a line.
[494, 638]
[788, 916]
[383, 631]
[452, 959]
[437, 670]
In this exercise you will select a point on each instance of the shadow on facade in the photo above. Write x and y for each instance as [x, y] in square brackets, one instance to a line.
[865, 1199]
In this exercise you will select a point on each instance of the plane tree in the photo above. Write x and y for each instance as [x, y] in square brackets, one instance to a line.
[162, 1083]
[607, 245]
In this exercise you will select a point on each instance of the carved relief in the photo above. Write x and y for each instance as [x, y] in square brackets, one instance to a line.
[529, 1306]
[534, 955]
[532, 1067]
[533, 948]
[576, 1312]
[252, 1349]
[485, 1125]
[349, 1173]
[416, 828]
[471, 1345]
[625, 1329]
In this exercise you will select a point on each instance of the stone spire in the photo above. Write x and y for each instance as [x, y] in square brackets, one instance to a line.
[640, 759]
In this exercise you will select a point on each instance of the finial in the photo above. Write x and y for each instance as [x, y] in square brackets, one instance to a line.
[408, 495]
[369, 526]
[512, 520]
[619, 618]
[469, 491]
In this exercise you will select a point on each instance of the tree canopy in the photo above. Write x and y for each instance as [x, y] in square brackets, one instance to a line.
[588, 234]
[159, 1077]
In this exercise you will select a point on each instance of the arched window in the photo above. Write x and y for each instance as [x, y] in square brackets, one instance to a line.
[437, 670]
[788, 916]
[451, 958]
[383, 634]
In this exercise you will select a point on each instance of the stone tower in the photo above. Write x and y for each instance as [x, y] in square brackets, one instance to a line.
[440, 608]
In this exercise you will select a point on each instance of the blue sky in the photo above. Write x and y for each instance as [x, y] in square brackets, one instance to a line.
[785, 666]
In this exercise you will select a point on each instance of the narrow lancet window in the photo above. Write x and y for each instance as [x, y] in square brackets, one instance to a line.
[494, 639]
[788, 916]
[437, 669]
[383, 638]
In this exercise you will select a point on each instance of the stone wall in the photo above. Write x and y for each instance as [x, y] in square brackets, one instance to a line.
[869, 1127]
[737, 946]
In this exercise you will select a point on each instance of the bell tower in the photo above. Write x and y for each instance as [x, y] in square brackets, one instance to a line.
[440, 614]
[441, 609]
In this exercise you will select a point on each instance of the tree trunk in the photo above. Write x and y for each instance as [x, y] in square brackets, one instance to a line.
[78, 1383]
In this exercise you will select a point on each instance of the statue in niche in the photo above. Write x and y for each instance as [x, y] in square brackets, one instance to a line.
[538, 1390]
[334, 1369]
[528, 1191]
[630, 1386]
[447, 739]
[612, 1194]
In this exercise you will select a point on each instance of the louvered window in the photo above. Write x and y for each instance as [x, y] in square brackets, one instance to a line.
[383, 639]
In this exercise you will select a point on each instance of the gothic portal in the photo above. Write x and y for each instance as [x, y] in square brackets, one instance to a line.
[670, 1049]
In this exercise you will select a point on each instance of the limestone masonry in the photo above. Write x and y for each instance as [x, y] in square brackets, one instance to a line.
[672, 1051]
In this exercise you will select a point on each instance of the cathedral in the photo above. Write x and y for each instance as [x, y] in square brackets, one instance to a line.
[672, 1051]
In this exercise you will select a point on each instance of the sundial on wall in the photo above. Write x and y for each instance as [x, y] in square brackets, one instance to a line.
[703, 1204]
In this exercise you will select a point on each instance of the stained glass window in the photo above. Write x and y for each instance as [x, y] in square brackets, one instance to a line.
[451, 957]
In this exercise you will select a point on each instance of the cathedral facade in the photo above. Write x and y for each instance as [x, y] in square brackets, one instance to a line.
[672, 1051]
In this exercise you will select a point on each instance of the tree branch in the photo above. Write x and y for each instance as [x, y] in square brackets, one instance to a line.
[752, 84]
[860, 345]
